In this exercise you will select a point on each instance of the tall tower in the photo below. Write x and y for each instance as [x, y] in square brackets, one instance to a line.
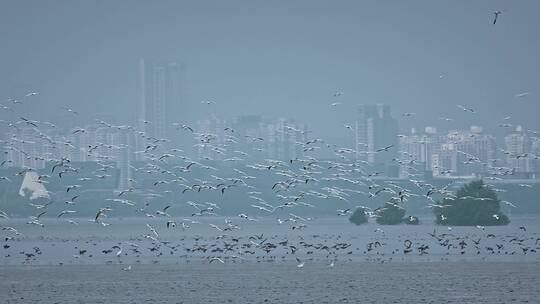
[158, 95]
[376, 129]
[518, 146]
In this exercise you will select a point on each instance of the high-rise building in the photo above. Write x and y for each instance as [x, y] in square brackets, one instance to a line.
[376, 129]
[459, 153]
[211, 137]
[158, 98]
[445, 161]
[535, 157]
[284, 138]
[518, 146]
[418, 149]
[254, 135]
[476, 150]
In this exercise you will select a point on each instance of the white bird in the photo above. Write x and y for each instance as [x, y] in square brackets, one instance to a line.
[300, 263]
[163, 212]
[342, 212]
[66, 212]
[471, 110]
[509, 204]
[216, 259]
[71, 111]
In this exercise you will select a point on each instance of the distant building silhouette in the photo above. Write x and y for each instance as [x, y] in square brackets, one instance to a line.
[376, 129]
[158, 91]
[457, 153]
[424, 152]
[518, 146]
[260, 138]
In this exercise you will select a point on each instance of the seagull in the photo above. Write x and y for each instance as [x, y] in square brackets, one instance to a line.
[29, 122]
[341, 212]
[65, 212]
[300, 263]
[496, 13]
[216, 259]
[3, 215]
[338, 93]
[101, 212]
[509, 204]
[125, 191]
[71, 111]
[522, 94]
[384, 149]
[163, 212]
[466, 109]
[73, 222]
[185, 127]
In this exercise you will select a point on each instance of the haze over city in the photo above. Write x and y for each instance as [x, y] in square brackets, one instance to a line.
[269, 151]
[86, 54]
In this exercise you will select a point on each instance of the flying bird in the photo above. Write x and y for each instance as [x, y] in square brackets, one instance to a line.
[384, 149]
[522, 94]
[466, 109]
[496, 16]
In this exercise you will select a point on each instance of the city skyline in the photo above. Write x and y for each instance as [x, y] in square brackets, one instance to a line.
[255, 151]
[452, 153]
[368, 68]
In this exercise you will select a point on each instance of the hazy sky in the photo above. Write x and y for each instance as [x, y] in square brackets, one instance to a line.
[280, 58]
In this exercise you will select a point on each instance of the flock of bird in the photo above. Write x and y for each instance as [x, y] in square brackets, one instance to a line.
[297, 184]
[326, 248]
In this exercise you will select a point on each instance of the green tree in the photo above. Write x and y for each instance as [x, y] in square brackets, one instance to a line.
[475, 204]
[390, 214]
[359, 216]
